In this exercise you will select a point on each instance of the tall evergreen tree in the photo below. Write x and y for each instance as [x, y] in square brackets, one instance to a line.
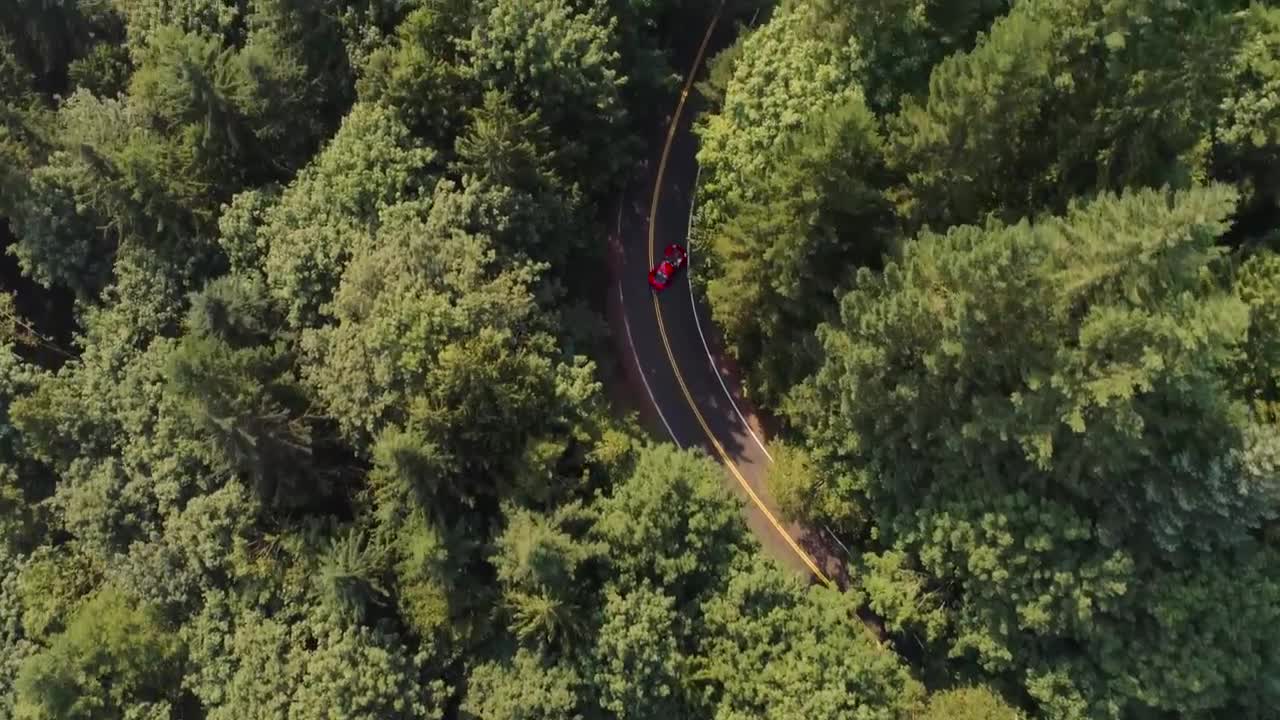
[1058, 395]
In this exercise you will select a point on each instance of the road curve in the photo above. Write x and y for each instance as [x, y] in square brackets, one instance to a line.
[685, 393]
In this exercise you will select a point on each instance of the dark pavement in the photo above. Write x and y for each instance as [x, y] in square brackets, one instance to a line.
[677, 382]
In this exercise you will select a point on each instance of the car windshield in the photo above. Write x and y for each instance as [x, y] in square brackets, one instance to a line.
[659, 275]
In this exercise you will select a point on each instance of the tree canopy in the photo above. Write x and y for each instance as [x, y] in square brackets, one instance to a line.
[308, 409]
[1007, 271]
[1070, 486]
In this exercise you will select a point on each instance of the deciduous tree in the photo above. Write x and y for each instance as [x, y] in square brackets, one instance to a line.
[526, 687]
[775, 649]
[306, 663]
[672, 524]
[115, 660]
[970, 703]
[637, 666]
[1049, 471]
[788, 205]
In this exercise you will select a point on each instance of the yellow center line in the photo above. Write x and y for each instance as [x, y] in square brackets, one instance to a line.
[662, 330]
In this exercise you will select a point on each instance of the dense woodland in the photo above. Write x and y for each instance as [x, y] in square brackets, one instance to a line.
[303, 409]
[1008, 272]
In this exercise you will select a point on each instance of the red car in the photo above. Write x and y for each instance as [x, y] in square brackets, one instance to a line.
[664, 272]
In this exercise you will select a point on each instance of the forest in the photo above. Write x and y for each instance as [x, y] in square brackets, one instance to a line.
[1008, 272]
[305, 405]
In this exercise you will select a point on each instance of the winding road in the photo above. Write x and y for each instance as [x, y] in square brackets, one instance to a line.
[686, 389]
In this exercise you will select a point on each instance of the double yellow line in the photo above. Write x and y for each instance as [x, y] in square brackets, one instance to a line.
[662, 330]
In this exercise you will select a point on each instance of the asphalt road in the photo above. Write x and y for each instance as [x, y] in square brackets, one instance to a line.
[686, 391]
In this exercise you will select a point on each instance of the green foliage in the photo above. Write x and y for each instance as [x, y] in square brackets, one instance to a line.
[203, 546]
[526, 687]
[803, 491]
[680, 553]
[117, 188]
[788, 201]
[1045, 427]
[104, 71]
[52, 584]
[421, 74]
[119, 446]
[241, 393]
[407, 475]
[115, 660]
[323, 445]
[423, 590]
[15, 510]
[775, 649]
[65, 415]
[1064, 97]
[312, 35]
[1100, 303]
[900, 594]
[533, 552]
[971, 146]
[561, 59]
[785, 75]
[23, 126]
[748, 642]
[402, 320]
[485, 394]
[1258, 285]
[643, 56]
[720, 70]
[47, 35]
[23, 483]
[15, 79]
[291, 50]
[15, 647]
[311, 664]
[437, 337]
[1193, 659]
[902, 40]
[970, 703]
[637, 665]
[56, 231]
[350, 574]
[1247, 133]
[538, 566]
[234, 309]
[202, 118]
[326, 212]
[221, 19]
[428, 541]
[228, 110]
[504, 148]
[238, 227]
